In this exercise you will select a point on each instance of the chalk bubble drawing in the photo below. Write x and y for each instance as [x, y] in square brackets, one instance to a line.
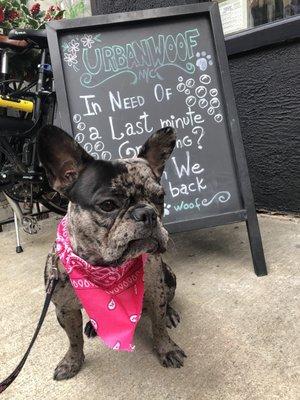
[81, 126]
[95, 156]
[95, 148]
[99, 146]
[213, 92]
[79, 137]
[88, 147]
[210, 111]
[106, 155]
[214, 102]
[190, 101]
[205, 79]
[203, 60]
[190, 83]
[167, 209]
[221, 197]
[203, 103]
[76, 118]
[218, 118]
[201, 91]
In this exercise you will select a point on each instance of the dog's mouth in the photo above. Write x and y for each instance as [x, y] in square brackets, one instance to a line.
[139, 246]
[149, 245]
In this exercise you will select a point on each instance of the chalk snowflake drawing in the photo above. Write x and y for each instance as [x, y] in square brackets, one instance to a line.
[203, 60]
[74, 46]
[70, 59]
[70, 53]
[87, 41]
[167, 209]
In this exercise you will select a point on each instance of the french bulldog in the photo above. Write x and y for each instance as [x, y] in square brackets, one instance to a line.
[114, 214]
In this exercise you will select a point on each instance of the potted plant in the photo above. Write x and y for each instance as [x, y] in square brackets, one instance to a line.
[19, 14]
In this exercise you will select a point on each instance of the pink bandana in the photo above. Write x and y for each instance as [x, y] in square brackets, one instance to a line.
[112, 297]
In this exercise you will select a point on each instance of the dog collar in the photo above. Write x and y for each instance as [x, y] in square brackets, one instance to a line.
[111, 296]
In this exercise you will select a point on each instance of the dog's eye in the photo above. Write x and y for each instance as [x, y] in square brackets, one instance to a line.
[108, 206]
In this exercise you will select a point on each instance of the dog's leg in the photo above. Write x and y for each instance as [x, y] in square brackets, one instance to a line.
[172, 316]
[170, 355]
[68, 312]
[71, 322]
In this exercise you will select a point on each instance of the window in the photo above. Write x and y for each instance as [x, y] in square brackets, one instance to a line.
[238, 15]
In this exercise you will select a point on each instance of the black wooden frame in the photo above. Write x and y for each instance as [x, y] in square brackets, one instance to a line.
[265, 35]
[248, 212]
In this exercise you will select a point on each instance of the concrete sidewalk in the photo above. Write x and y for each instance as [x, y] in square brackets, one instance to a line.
[241, 333]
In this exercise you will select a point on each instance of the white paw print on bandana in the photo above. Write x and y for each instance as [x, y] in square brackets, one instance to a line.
[133, 318]
[111, 305]
[117, 346]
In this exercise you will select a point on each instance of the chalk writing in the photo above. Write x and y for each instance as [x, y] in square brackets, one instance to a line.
[122, 88]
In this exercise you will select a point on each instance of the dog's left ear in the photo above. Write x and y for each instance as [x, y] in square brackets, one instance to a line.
[158, 149]
[62, 157]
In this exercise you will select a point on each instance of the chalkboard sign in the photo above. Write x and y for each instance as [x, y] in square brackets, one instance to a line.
[120, 77]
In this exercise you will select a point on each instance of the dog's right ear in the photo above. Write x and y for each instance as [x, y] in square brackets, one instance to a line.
[62, 157]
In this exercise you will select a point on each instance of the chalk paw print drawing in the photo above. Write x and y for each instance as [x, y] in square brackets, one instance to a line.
[203, 60]
[167, 209]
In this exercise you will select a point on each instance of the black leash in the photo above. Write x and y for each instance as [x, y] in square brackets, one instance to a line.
[53, 279]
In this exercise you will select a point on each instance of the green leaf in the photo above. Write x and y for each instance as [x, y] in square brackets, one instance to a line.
[25, 10]
[59, 14]
[33, 23]
[16, 4]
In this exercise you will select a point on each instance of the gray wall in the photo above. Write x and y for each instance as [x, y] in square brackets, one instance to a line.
[113, 6]
[266, 84]
[267, 89]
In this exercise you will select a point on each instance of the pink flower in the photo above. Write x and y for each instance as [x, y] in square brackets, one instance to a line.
[35, 9]
[13, 15]
[1, 14]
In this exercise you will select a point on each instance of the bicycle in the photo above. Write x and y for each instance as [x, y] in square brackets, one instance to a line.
[25, 107]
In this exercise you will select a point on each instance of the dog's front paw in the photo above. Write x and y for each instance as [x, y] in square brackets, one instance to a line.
[69, 366]
[172, 317]
[171, 356]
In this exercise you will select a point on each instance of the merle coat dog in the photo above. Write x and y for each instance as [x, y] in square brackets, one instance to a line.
[114, 214]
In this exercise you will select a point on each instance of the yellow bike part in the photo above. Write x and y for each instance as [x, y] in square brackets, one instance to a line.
[22, 105]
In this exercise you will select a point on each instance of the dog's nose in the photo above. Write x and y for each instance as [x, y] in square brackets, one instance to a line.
[144, 214]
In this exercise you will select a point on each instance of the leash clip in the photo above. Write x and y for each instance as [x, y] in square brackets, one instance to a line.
[54, 276]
